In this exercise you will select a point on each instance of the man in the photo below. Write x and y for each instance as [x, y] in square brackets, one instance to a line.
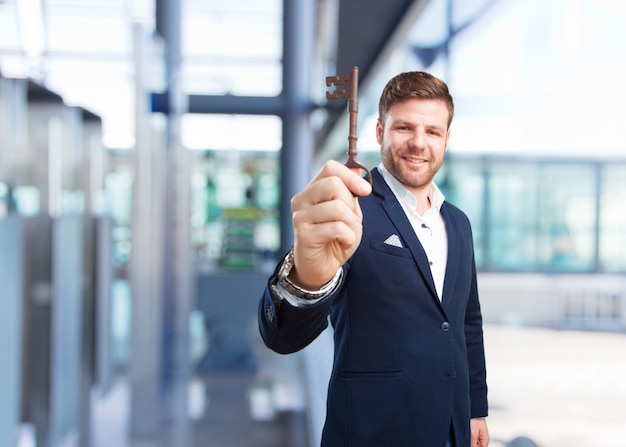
[393, 266]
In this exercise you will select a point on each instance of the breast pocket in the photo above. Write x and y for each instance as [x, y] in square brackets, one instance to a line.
[380, 246]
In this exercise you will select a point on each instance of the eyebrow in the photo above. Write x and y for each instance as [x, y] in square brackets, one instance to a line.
[403, 122]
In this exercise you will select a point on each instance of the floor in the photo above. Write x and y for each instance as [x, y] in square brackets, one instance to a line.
[554, 388]
[228, 422]
[224, 418]
[560, 388]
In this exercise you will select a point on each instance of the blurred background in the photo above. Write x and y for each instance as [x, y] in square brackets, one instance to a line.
[148, 151]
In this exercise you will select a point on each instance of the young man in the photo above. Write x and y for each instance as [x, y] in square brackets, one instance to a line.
[393, 266]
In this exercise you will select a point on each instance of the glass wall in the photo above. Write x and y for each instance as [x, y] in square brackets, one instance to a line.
[566, 218]
[465, 182]
[511, 213]
[537, 215]
[612, 224]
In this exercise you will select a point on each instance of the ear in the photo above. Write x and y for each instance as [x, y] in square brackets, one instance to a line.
[379, 131]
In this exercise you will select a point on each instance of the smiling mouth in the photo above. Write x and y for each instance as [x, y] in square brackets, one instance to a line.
[415, 160]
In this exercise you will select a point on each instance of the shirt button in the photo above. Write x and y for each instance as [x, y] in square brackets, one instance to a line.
[445, 326]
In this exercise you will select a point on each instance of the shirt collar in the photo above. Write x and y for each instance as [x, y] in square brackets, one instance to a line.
[434, 194]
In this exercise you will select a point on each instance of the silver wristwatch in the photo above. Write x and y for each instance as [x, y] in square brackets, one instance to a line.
[283, 281]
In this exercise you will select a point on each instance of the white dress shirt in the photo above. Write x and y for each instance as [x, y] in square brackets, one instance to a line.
[430, 228]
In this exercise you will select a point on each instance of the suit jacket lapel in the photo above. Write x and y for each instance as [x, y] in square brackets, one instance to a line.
[396, 213]
[454, 256]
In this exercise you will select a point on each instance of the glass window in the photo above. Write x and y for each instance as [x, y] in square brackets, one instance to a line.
[463, 183]
[612, 234]
[535, 215]
[511, 216]
[567, 216]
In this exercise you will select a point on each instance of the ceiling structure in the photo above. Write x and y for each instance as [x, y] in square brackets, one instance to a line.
[365, 27]
[87, 49]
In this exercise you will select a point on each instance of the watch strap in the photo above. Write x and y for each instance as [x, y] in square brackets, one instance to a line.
[285, 283]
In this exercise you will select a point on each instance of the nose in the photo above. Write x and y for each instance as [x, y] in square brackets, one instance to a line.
[419, 138]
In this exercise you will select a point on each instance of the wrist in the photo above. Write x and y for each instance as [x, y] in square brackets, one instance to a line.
[284, 280]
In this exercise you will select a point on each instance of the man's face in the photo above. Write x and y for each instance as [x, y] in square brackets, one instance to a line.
[413, 138]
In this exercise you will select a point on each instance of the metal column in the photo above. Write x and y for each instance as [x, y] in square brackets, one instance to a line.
[11, 346]
[297, 150]
[145, 359]
[177, 269]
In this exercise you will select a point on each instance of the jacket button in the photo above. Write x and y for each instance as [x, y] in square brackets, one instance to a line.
[445, 326]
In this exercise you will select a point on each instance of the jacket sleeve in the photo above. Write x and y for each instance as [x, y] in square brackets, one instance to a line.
[286, 328]
[476, 352]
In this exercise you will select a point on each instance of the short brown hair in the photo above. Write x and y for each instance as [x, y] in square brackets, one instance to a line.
[414, 84]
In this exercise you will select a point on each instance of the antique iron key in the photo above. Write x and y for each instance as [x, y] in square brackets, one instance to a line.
[351, 94]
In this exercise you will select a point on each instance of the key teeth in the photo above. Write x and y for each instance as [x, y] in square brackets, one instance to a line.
[330, 80]
[337, 94]
[337, 80]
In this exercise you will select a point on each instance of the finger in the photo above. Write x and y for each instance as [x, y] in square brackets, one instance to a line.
[327, 212]
[320, 235]
[326, 189]
[352, 178]
[327, 222]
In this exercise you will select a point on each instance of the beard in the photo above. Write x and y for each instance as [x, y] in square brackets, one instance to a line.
[410, 176]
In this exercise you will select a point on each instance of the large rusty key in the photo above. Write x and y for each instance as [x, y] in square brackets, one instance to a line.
[351, 94]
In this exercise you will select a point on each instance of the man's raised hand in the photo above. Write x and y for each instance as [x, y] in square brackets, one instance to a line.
[327, 222]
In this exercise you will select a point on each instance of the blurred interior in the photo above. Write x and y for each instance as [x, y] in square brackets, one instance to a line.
[148, 152]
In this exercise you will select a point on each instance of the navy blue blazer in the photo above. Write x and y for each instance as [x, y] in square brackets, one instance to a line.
[406, 364]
